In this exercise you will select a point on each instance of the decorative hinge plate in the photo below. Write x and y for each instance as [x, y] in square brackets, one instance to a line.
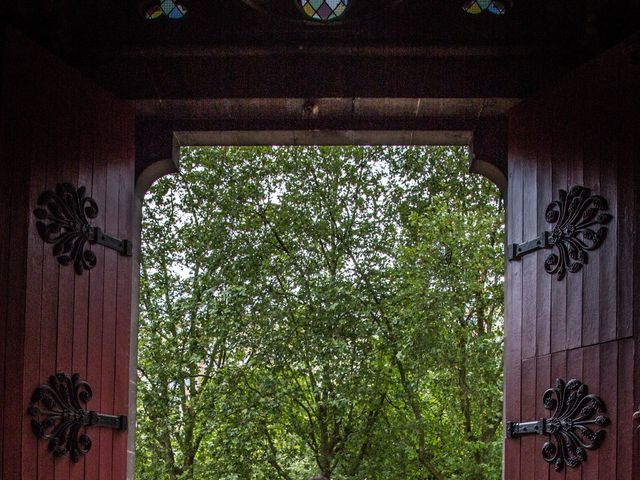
[57, 415]
[63, 220]
[515, 429]
[576, 216]
[123, 247]
[519, 250]
[575, 414]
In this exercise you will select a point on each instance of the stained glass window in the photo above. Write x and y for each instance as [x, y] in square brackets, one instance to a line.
[173, 9]
[497, 7]
[323, 10]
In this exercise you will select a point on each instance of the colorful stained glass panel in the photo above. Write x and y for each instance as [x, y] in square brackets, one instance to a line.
[323, 10]
[173, 9]
[497, 7]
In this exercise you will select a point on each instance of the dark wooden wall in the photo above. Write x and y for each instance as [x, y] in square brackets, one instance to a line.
[585, 130]
[57, 127]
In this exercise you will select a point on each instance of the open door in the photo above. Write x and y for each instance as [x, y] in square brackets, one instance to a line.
[64, 308]
[583, 132]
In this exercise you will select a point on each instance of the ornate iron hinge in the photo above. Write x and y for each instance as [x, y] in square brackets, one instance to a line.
[68, 211]
[575, 414]
[575, 214]
[58, 415]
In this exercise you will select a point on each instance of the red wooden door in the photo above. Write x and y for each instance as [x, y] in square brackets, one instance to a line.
[58, 127]
[583, 131]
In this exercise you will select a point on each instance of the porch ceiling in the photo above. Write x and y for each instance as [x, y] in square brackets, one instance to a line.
[429, 52]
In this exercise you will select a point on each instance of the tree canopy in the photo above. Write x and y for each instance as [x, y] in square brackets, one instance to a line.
[328, 311]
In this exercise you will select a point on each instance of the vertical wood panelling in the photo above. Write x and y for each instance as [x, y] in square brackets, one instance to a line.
[513, 333]
[591, 378]
[627, 245]
[543, 382]
[575, 359]
[33, 304]
[636, 301]
[529, 230]
[15, 269]
[4, 240]
[123, 326]
[51, 319]
[558, 370]
[107, 375]
[575, 159]
[625, 405]
[528, 410]
[5, 236]
[557, 118]
[608, 389]
[96, 301]
[583, 131]
[86, 148]
[66, 170]
[544, 197]
[611, 121]
[591, 275]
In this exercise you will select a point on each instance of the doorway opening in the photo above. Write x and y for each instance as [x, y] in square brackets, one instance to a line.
[321, 312]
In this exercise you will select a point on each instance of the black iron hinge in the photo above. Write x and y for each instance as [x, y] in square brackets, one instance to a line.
[58, 416]
[63, 220]
[579, 218]
[575, 415]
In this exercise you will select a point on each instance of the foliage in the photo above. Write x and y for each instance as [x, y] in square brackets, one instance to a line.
[321, 311]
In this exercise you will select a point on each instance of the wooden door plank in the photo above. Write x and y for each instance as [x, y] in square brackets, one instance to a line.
[64, 155]
[575, 360]
[528, 413]
[513, 307]
[33, 147]
[591, 375]
[49, 324]
[627, 243]
[591, 276]
[96, 299]
[575, 176]
[608, 391]
[85, 146]
[123, 308]
[625, 409]
[609, 145]
[543, 382]
[636, 313]
[544, 198]
[530, 231]
[107, 375]
[15, 266]
[558, 370]
[557, 119]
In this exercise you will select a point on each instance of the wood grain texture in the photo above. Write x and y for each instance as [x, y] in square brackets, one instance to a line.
[529, 231]
[558, 370]
[528, 411]
[624, 461]
[575, 363]
[513, 307]
[543, 382]
[123, 307]
[14, 267]
[584, 130]
[545, 195]
[556, 118]
[608, 390]
[51, 319]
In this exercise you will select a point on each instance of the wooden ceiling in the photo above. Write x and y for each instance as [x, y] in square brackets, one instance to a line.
[416, 59]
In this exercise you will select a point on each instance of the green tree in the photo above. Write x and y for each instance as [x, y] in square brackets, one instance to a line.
[306, 309]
